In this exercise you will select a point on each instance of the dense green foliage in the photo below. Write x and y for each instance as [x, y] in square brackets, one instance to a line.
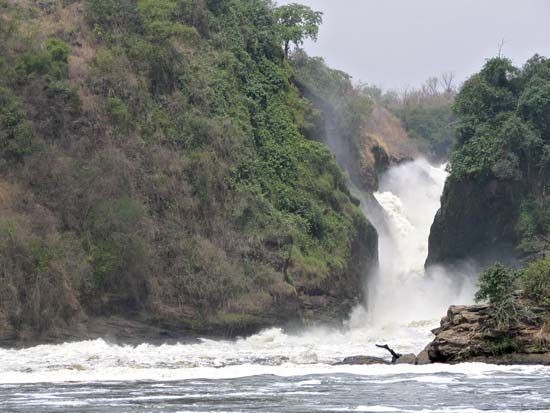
[503, 130]
[157, 147]
[496, 284]
[535, 280]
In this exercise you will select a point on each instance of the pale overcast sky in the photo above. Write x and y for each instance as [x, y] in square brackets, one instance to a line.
[400, 43]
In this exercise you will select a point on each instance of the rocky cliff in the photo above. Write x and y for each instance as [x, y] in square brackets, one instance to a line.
[477, 222]
[495, 204]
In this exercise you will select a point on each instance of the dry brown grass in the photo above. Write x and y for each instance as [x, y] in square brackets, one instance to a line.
[69, 22]
[385, 130]
[542, 337]
[6, 194]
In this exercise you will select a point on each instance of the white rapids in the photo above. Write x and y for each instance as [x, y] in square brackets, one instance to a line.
[403, 306]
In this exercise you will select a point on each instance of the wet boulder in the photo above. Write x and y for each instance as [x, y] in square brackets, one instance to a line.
[406, 359]
[423, 357]
[363, 360]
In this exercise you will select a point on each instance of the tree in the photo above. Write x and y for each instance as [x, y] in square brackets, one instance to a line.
[297, 23]
[497, 285]
[447, 79]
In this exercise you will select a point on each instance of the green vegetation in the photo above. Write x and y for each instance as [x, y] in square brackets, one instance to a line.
[501, 286]
[163, 144]
[426, 113]
[500, 163]
[535, 280]
[297, 23]
[503, 132]
[534, 225]
[496, 284]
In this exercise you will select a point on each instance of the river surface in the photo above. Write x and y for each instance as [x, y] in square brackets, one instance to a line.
[282, 371]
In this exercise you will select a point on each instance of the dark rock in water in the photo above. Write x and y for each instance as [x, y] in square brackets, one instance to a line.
[366, 360]
[406, 359]
[468, 334]
[363, 360]
[423, 358]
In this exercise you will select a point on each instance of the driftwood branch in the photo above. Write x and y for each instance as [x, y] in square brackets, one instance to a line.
[394, 355]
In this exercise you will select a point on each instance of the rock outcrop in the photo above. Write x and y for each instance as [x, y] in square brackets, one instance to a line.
[468, 334]
[396, 359]
[383, 142]
[475, 221]
[363, 361]
[496, 195]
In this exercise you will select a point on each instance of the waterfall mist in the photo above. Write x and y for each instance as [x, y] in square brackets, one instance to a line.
[401, 291]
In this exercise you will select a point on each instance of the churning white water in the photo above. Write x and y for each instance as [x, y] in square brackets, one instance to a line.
[401, 291]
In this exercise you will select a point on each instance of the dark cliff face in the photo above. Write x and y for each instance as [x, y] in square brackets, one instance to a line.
[495, 204]
[476, 221]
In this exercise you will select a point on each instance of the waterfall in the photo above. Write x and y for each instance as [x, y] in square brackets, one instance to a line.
[400, 291]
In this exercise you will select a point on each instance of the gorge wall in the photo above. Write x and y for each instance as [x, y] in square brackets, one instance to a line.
[495, 204]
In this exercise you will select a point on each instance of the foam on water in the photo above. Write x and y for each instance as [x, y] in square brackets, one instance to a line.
[99, 361]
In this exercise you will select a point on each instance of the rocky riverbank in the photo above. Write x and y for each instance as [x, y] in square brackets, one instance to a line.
[469, 334]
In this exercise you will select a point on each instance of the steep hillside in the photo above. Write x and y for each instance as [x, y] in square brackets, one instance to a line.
[384, 142]
[154, 170]
[425, 113]
[496, 203]
[364, 146]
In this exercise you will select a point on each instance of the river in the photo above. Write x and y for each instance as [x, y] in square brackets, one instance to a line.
[281, 371]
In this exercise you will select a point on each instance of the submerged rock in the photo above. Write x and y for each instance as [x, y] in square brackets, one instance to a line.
[363, 360]
[366, 360]
[468, 334]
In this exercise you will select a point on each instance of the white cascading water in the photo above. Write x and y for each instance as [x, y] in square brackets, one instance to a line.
[401, 292]
[403, 306]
